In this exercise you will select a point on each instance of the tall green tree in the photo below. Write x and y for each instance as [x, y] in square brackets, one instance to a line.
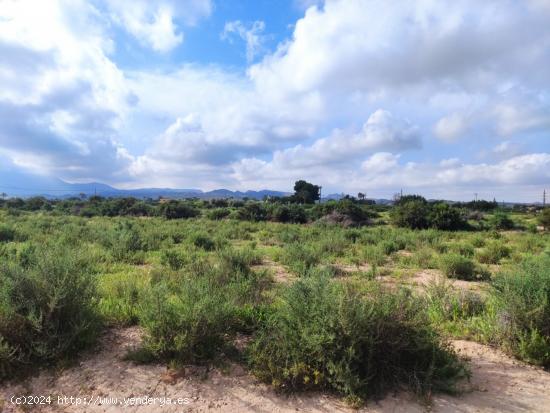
[305, 192]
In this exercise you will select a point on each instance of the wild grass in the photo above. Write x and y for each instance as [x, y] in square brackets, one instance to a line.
[193, 284]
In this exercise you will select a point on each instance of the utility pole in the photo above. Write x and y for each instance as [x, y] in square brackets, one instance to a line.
[475, 194]
[544, 198]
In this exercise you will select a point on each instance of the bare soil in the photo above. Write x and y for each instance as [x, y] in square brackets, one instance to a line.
[280, 274]
[498, 384]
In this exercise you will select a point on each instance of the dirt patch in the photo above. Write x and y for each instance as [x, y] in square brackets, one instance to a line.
[280, 274]
[351, 269]
[421, 279]
[498, 384]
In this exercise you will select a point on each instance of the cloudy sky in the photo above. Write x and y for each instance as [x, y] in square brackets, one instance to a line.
[442, 98]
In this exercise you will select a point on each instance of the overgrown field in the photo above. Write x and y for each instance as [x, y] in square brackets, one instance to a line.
[357, 310]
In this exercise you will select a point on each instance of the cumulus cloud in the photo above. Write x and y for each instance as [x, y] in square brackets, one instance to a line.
[449, 128]
[311, 109]
[511, 119]
[515, 178]
[251, 35]
[60, 115]
[154, 23]
[380, 131]
[406, 53]
[380, 162]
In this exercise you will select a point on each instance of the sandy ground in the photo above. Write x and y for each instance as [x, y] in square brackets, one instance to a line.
[498, 384]
[279, 273]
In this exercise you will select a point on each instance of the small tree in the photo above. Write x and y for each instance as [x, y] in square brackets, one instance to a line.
[501, 221]
[411, 212]
[305, 192]
[445, 217]
[544, 218]
[361, 196]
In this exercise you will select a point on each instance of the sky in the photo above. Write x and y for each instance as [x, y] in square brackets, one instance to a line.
[443, 98]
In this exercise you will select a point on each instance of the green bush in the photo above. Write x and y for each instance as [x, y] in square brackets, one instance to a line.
[203, 241]
[457, 266]
[445, 217]
[194, 320]
[173, 259]
[411, 214]
[7, 233]
[189, 325]
[448, 307]
[48, 311]
[493, 253]
[294, 214]
[125, 242]
[324, 335]
[218, 213]
[501, 221]
[300, 257]
[544, 218]
[252, 211]
[178, 210]
[120, 295]
[520, 311]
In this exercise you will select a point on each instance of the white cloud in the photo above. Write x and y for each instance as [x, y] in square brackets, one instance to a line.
[154, 22]
[380, 162]
[59, 111]
[380, 131]
[406, 53]
[450, 127]
[308, 110]
[511, 119]
[516, 178]
[252, 36]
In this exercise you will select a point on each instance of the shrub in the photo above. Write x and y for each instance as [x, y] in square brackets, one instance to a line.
[544, 218]
[411, 214]
[462, 248]
[47, 311]
[457, 266]
[178, 210]
[328, 335]
[7, 233]
[125, 242]
[189, 325]
[194, 320]
[252, 211]
[501, 221]
[203, 241]
[294, 214]
[172, 258]
[218, 213]
[478, 241]
[120, 295]
[493, 253]
[300, 257]
[520, 314]
[445, 217]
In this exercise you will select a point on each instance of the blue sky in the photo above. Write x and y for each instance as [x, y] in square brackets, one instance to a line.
[442, 98]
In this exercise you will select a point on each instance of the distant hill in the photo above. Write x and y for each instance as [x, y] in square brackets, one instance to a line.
[25, 185]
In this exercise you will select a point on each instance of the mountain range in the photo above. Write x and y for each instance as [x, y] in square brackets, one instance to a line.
[25, 185]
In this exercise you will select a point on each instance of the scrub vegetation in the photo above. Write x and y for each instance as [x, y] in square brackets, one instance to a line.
[348, 315]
